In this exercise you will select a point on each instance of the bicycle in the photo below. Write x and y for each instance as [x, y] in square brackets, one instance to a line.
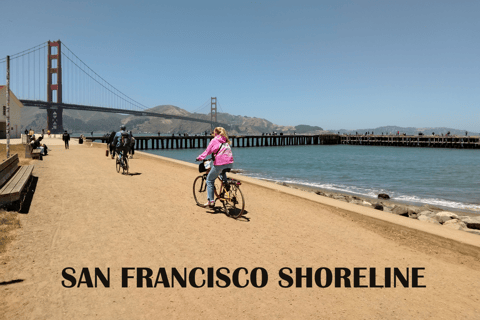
[122, 162]
[227, 192]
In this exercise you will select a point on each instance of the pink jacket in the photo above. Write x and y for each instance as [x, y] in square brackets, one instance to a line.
[224, 156]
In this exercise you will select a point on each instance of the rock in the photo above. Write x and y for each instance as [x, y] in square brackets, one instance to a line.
[455, 224]
[338, 197]
[349, 198]
[412, 214]
[377, 206]
[383, 196]
[444, 216]
[400, 210]
[426, 213]
[366, 203]
[471, 222]
[429, 207]
[427, 219]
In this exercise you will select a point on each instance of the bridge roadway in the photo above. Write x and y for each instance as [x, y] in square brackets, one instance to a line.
[245, 141]
[52, 105]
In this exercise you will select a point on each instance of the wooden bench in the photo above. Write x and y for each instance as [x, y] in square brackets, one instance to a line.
[36, 154]
[14, 180]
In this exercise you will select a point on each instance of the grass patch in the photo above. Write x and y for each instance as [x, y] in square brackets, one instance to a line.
[8, 222]
[14, 148]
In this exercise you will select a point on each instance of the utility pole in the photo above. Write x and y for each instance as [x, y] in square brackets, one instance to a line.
[7, 112]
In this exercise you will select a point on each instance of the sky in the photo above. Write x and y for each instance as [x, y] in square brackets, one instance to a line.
[333, 64]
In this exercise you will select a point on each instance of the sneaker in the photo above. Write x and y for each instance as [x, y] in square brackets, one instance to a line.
[208, 204]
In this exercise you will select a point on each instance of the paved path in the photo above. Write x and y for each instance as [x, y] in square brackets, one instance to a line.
[86, 215]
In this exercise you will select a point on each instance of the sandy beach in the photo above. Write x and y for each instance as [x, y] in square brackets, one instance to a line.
[86, 215]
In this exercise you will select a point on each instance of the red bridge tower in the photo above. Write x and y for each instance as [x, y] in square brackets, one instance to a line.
[54, 114]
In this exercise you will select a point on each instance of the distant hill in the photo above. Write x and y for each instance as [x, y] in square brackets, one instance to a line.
[407, 130]
[73, 120]
[85, 121]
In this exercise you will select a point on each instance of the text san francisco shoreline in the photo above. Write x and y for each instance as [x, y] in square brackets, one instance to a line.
[241, 277]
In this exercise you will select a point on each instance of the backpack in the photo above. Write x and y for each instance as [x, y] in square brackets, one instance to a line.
[126, 140]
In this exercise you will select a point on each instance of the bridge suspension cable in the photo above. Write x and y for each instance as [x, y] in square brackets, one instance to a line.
[28, 78]
[106, 94]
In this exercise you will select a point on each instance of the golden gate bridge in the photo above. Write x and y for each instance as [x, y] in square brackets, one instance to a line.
[50, 76]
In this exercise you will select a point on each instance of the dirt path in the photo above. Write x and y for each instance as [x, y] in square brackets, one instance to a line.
[86, 215]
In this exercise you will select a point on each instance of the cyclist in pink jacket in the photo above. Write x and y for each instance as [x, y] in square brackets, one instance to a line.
[219, 148]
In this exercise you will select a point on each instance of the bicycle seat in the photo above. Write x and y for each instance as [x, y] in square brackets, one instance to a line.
[226, 170]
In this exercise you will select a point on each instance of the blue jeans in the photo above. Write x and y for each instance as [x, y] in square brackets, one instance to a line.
[212, 175]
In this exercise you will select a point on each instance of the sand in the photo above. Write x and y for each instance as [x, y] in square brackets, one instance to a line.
[86, 215]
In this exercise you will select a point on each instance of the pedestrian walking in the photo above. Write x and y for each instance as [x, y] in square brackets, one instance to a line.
[66, 139]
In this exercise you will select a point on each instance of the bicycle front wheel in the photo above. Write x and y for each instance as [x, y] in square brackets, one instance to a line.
[200, 190]
[234, 202]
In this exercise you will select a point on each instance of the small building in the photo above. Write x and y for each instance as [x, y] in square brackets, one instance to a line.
[15, 114]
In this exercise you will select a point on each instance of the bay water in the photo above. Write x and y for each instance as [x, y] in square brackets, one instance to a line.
[448, 178]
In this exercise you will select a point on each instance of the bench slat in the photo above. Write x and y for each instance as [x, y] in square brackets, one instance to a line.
[8, 161]
[22, 180]
[12, 189]
[8, 171]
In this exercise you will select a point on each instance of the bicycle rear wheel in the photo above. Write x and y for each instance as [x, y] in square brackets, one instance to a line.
[125, 165]
[200, 190]
[117, 165]
[234, 202]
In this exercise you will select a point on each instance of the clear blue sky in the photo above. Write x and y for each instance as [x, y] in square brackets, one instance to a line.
[335, 64]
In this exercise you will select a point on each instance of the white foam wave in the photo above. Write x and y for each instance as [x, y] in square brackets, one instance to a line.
[373, 193]
[439, 202]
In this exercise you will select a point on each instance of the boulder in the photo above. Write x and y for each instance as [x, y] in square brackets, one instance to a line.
[471, 222]
[455, 224]
[400, 210]
[426, 213]
[383, 196]
[429, 207]
[428, 219]
[366, 203]
[378, 206]
[444, 216]
[412, 214]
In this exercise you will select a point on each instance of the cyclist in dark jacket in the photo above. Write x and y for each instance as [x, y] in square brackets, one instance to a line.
[110, 144]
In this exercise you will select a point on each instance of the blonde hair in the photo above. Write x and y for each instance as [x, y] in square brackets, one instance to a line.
[221, 131]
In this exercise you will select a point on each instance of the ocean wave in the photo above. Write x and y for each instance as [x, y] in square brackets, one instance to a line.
[439, 202]
[373, 193]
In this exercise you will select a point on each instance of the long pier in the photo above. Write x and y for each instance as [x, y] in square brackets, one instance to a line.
[239, 141]
[247, 141]
[434, 141]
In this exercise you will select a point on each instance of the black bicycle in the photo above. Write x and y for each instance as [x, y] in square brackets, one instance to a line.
[227, 192]
[122, 162]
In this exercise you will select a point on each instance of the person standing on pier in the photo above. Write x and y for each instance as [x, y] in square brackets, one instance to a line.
[219, 148]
